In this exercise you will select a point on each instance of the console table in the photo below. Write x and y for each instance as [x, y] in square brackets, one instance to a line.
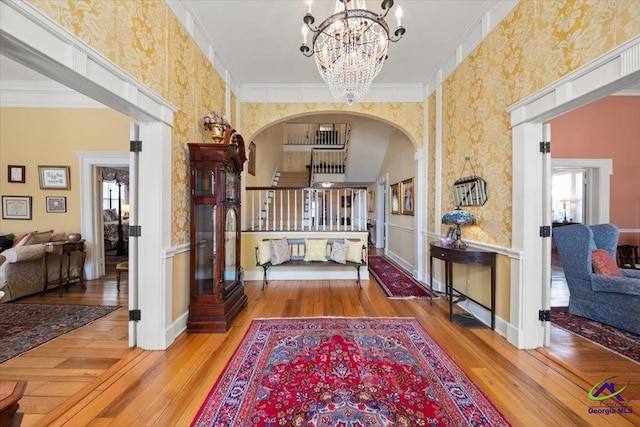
[463, 256]
[63, 249]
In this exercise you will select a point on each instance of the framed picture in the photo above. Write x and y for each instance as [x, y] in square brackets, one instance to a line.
[345, 202]
[54, 177]
[16, 173]
[252, 159]
[408, 199]
[16, 207]
[395, 198]
[371, 201]
[56, 204]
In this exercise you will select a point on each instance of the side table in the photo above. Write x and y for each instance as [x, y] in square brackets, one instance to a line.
[63, 249]
[463, 256]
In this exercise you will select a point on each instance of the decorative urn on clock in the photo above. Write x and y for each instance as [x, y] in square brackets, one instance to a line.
[215, 123]
[216, 279]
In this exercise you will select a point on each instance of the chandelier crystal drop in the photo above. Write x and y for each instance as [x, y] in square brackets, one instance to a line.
[350, 46]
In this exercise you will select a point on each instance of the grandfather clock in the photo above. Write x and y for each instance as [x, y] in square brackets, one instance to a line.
[216, 282]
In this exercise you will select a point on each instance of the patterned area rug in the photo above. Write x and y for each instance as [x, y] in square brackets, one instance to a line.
[395, 282]
[622, 342]
[26, 326]
[331, 371]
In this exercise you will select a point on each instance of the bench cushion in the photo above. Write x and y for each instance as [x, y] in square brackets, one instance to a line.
[315, 249]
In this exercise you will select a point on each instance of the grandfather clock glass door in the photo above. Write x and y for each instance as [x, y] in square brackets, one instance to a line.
[216, 289]
[205, 247]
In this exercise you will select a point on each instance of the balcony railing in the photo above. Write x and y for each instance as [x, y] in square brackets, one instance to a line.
[334, 135]
[306, 209]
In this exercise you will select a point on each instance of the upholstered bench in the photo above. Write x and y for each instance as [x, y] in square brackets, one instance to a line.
[312, 252]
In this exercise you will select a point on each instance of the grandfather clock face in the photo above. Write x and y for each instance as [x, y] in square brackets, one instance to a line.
[231, 182]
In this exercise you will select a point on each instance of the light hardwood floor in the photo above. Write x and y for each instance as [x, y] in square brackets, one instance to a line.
[90, 377]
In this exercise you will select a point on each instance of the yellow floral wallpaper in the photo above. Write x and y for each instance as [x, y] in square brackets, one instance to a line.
[146, 39]
[539, 42]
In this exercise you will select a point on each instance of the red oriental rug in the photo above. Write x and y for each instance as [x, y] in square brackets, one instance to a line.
[395, 282]
[343, 372]
[622, 342]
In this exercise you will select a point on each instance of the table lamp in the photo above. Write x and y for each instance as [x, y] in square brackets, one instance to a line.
[458, 217]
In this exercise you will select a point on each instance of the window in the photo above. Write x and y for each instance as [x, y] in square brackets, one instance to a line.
[567, 196]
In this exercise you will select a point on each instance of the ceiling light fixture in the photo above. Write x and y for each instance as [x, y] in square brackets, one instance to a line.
[350, 46]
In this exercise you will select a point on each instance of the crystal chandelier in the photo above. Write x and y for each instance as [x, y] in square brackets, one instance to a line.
[350, 46]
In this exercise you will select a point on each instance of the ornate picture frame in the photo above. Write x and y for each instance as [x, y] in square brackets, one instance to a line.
[394, 198]
[16, 207]
[251, 164]
[16, 173]
[56, 204]
[54, 177]
[408, 197]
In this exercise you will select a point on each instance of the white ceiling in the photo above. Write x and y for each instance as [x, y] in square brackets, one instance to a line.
[260, 40]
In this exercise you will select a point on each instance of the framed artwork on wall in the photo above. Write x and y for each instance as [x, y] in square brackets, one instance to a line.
[407, 197]
[371, 201]
[56, 204]
[54, 177]
[16, 207]
[16, 173]
[251, 166]
[395, 198]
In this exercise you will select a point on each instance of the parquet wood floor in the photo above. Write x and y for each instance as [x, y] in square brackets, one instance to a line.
[90, 377]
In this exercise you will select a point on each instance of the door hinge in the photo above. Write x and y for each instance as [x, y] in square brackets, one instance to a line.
[135, 315]
[135, 146]
[135, 230]
[544, 315]
[545, 231]
[545, 147]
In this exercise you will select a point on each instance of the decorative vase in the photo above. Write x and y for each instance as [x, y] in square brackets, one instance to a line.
[217, 133]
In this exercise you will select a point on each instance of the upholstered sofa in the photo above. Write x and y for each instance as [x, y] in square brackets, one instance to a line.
[23, 272]
[611, 295]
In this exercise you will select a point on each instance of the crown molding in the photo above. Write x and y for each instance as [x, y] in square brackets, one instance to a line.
[319, 93]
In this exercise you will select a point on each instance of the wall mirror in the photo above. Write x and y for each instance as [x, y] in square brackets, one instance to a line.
[470, 191]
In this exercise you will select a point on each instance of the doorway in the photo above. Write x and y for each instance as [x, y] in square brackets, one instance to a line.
[532, 187]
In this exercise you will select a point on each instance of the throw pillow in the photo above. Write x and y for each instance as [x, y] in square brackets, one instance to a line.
[264, 251]
[38, 237]
[279, 251]
[315, 249]
[58, 237]
[603, 263]
[338, 253]
[354, 251]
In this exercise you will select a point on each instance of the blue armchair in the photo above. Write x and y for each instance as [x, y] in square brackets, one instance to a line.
[612, 300]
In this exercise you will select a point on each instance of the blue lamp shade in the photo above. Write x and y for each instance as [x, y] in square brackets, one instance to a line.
[458, 217]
